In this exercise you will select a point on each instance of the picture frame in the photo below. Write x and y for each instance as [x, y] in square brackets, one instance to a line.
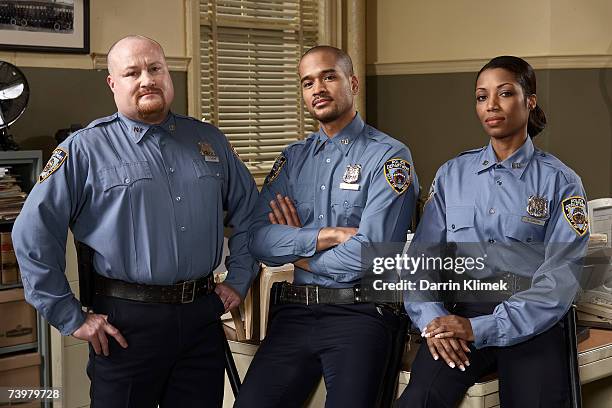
[59, 26]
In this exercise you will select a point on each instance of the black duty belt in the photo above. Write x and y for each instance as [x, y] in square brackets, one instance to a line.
[183, 292]
[284, 293]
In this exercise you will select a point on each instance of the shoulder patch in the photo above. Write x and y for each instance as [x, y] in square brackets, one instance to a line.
[276, 169]
[432, 193]
[58, 157]
[235, 152]
[398, 174]
[576, 214]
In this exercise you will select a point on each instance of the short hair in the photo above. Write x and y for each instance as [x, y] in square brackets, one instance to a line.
[131, 37]
[342, 57]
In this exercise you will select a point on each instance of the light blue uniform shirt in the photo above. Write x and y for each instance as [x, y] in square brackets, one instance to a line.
[150, 201]
[474, 199]
[311, 172]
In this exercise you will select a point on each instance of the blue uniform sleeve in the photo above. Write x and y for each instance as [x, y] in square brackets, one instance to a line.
[40, 234]
[385, 218]
[239, 202]
[555, 282]
[429, 236]
[275, 244]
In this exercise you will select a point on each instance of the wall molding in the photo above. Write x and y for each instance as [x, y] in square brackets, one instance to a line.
[473, 65]
[174, 63]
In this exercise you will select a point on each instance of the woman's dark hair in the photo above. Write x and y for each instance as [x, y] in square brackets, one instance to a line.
[526, 78]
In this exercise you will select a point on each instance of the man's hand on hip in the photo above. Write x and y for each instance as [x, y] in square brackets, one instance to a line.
[94, 330]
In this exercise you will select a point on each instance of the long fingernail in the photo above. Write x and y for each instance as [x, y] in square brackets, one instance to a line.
[423, 333]
[451, 364]
[437, 336]
[427, 335]
[467, 363]
[462, 368]
[435, 357]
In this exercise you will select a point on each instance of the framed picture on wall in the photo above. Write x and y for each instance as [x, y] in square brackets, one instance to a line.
[45, 25]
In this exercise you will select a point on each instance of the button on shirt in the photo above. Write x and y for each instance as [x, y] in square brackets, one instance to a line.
[474, 199]
[150, 201]
[311, 173]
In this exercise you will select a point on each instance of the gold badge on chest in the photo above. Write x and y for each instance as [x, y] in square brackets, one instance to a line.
[208, 152]
[537, 206]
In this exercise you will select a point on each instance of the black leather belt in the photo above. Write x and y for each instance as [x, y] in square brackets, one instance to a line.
[284, 293]
[184, 292]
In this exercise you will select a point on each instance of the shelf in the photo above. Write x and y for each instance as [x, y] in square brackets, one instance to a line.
[19, 347]
[11, 286]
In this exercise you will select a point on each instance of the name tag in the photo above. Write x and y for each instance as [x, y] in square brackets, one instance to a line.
[348, 186]
[533, 220]
[212, 159]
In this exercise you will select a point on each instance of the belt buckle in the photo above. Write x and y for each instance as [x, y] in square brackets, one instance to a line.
[316, 288]
[193, 288]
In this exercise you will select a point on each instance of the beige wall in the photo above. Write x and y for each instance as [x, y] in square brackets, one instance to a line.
[163, 20]
[446, 30]
[422, 57]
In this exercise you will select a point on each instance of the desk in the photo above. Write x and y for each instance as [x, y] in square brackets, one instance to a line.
[594, 360]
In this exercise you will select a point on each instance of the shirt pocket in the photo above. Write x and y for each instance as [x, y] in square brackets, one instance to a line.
[304, 203]
[350, 208]
[527, 232]
[208, 175]
[125, 175]
[460, 224]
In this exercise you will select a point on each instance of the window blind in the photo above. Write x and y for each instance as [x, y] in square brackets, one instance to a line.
[249, 51]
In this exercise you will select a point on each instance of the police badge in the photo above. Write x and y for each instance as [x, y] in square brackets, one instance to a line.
[575, 212]
[537, 206]
[276, 169]
[58, 157]
[208, 152]
[397, 174]
[351, 176]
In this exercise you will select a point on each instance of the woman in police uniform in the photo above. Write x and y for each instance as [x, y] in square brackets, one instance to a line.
[526, 211]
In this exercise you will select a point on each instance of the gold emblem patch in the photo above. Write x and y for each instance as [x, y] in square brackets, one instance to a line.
[58, 157]
[276, 169]
[397, 174]
[575, 212]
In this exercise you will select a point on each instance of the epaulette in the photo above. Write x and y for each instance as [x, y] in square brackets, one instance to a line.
[178, 115]
[95, 123]
[554, 162]
[100, 121]
[477, 150]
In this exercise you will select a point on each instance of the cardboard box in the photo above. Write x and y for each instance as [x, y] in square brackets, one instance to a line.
[18, 323]
[9, 271]
[20, 370]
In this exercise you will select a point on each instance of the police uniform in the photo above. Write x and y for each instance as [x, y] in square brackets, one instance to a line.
[359, 178]
[535, 207]
[150, 201]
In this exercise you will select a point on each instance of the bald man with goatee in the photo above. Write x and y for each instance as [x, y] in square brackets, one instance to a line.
[147, 190]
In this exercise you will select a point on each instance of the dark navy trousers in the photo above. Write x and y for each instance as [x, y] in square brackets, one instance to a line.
[347, 344]
[534, 373]
[175, 355]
